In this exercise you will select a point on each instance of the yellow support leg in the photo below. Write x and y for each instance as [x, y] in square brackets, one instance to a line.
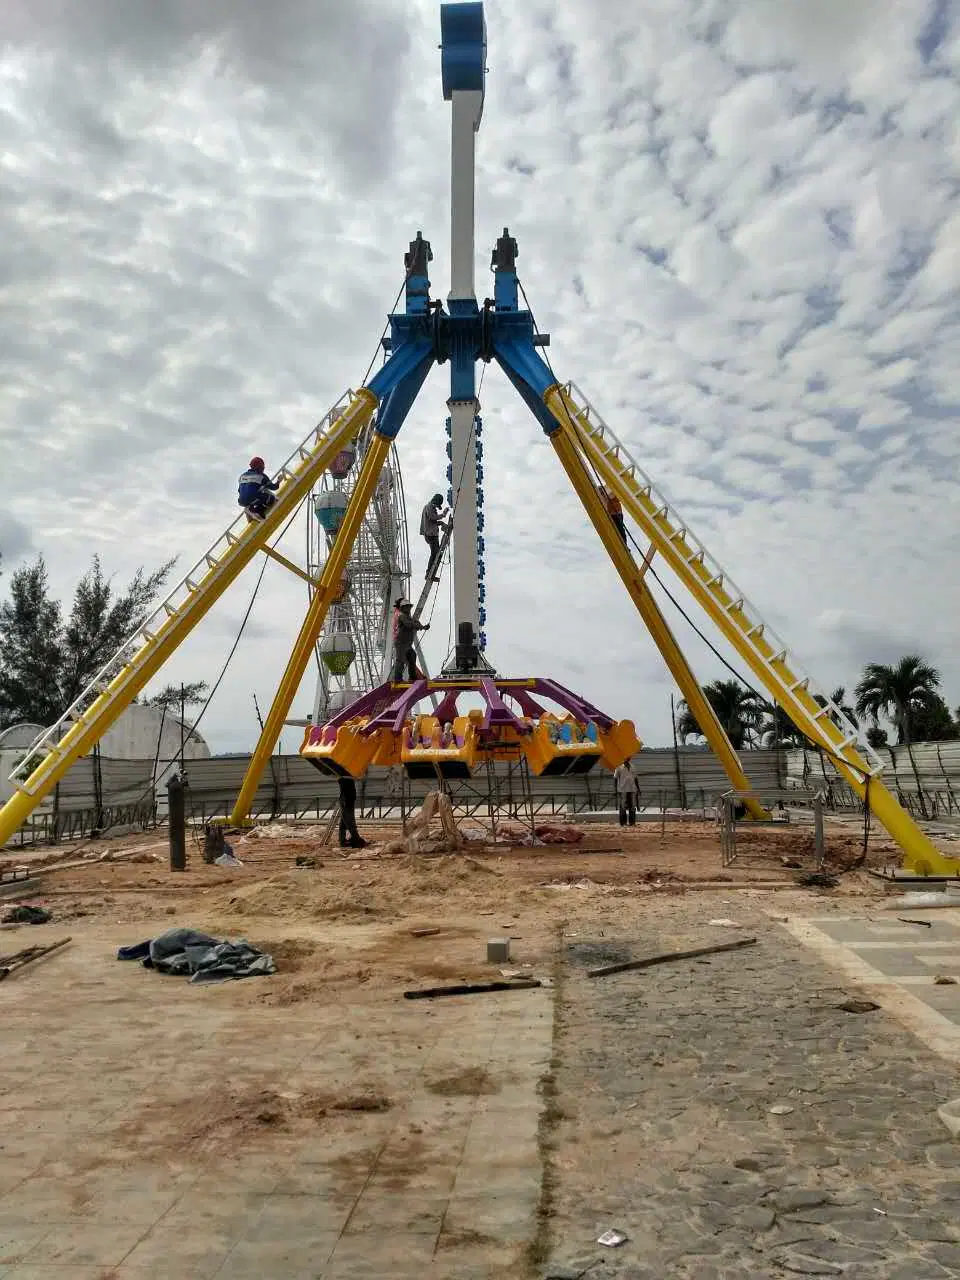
[84, 733]
[921, 855]
[327, 589]
[656, 624]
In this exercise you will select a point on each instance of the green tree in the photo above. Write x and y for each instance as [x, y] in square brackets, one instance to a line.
[933, 722]
[738, 709]
[839, 700]
[101, 620]
[46, 662]
[898, 692]
[778, 730]
[30, 634]
[877, 737]
[172, 696]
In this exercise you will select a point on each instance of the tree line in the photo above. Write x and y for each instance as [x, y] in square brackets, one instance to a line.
[50, 652]
[906, 695]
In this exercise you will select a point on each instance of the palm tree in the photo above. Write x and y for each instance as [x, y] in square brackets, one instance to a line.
[899, 692]
[738, 709]
[779, 730]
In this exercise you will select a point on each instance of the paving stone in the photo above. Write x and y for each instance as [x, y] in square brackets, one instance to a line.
[806, 1265]
[931, 1230]
[945, 1155]
[17, 1239]
[799, 1198]
[864, 1094]
[74, 1244]
[946, 1254]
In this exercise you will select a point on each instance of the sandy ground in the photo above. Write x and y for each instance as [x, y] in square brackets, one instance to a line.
[380, 902]
[349, 935]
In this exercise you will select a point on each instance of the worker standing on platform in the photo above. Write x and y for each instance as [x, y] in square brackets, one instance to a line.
[628, 786]
[614, 510]
[257, 490]
[404, 651]
[431, 527]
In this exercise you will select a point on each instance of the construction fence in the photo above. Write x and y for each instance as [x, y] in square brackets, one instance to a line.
[925, 778]
[99, 793]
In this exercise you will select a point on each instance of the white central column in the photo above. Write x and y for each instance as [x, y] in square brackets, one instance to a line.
[467, 107]
[467, 111]
[466, 604]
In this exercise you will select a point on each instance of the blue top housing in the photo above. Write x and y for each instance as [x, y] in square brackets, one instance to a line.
[463, 43]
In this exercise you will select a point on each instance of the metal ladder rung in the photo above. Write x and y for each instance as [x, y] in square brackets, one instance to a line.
[696, 557]
[661, 511]
[170, 610]
[211, 560]
[824, 711]
[800, 684]
[755, 630]
[231, 537]
[778, 657]
[735, 605]
[715, 581]
[678, 535]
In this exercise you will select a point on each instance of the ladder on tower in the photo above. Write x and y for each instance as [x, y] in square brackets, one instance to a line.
[808, 706]
[140, 657]
[434, 577]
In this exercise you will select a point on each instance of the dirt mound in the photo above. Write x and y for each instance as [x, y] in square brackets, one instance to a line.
[225, 1118]
[384, 889]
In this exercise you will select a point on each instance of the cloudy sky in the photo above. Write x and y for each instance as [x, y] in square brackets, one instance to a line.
[738, 219]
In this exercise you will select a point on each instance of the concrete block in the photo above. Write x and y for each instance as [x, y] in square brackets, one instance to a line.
[498, 950]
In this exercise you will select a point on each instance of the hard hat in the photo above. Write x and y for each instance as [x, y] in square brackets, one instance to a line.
[437, 499]
[256, 464]
[403, 603]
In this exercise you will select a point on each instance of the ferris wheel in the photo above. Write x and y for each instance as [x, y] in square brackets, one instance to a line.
[355, 649]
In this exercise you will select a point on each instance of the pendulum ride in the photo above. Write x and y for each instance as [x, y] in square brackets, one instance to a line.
[389, 724]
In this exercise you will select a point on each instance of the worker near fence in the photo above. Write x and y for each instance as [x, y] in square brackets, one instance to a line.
[628, 786]
[350, 837]
[256, 490]
[432, 525]
[404, 641]
[614, 510]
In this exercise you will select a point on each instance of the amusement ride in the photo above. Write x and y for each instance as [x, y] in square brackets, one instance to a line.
[358, 559]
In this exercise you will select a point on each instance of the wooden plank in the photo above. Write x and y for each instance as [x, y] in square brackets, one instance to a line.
[649, 961]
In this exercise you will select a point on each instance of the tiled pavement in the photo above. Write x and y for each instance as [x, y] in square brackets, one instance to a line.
[899, 963]
[439, 1185]
[736, 1121]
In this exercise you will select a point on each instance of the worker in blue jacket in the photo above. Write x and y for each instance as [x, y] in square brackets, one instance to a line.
[257, 490]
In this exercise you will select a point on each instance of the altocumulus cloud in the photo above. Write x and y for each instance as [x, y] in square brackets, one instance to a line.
[738, 220]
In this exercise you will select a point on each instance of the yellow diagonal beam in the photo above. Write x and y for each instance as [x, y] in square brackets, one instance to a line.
[567, 451]
[328, 588]
[274, 554]
[91, 725]
[770, 667]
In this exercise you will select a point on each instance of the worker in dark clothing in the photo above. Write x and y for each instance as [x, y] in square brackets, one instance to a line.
[257, 490]
[431, 527]
[350, 837]
[614, 510]
[404, 651]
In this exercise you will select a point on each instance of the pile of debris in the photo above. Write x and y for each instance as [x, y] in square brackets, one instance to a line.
[430, 829]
